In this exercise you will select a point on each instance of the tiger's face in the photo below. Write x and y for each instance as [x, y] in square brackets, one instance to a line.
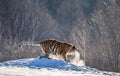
[71, 55]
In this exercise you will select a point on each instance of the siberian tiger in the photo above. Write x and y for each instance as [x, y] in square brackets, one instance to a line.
[57, 48]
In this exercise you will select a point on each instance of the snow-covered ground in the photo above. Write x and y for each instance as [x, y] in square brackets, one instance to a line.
[48, 67]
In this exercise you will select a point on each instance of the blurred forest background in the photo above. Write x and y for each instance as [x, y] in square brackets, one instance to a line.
[93, 26]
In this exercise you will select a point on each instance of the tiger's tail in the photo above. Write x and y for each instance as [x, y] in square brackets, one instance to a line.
[29, 44]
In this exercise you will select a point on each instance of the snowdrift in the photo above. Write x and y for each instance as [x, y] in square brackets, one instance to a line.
[49, 67]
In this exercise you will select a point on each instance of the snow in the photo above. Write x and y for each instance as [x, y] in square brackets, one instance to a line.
[13, 71]
[48, 67]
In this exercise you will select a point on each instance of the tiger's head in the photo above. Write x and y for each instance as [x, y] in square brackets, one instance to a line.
[74, 57]
[71, 54]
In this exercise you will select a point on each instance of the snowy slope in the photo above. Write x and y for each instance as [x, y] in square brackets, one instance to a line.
[47, 67]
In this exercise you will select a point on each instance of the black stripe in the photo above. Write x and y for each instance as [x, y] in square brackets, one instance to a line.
[62, 48]
[54, 52]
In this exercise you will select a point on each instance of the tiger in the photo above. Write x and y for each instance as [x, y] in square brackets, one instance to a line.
[63, 50]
